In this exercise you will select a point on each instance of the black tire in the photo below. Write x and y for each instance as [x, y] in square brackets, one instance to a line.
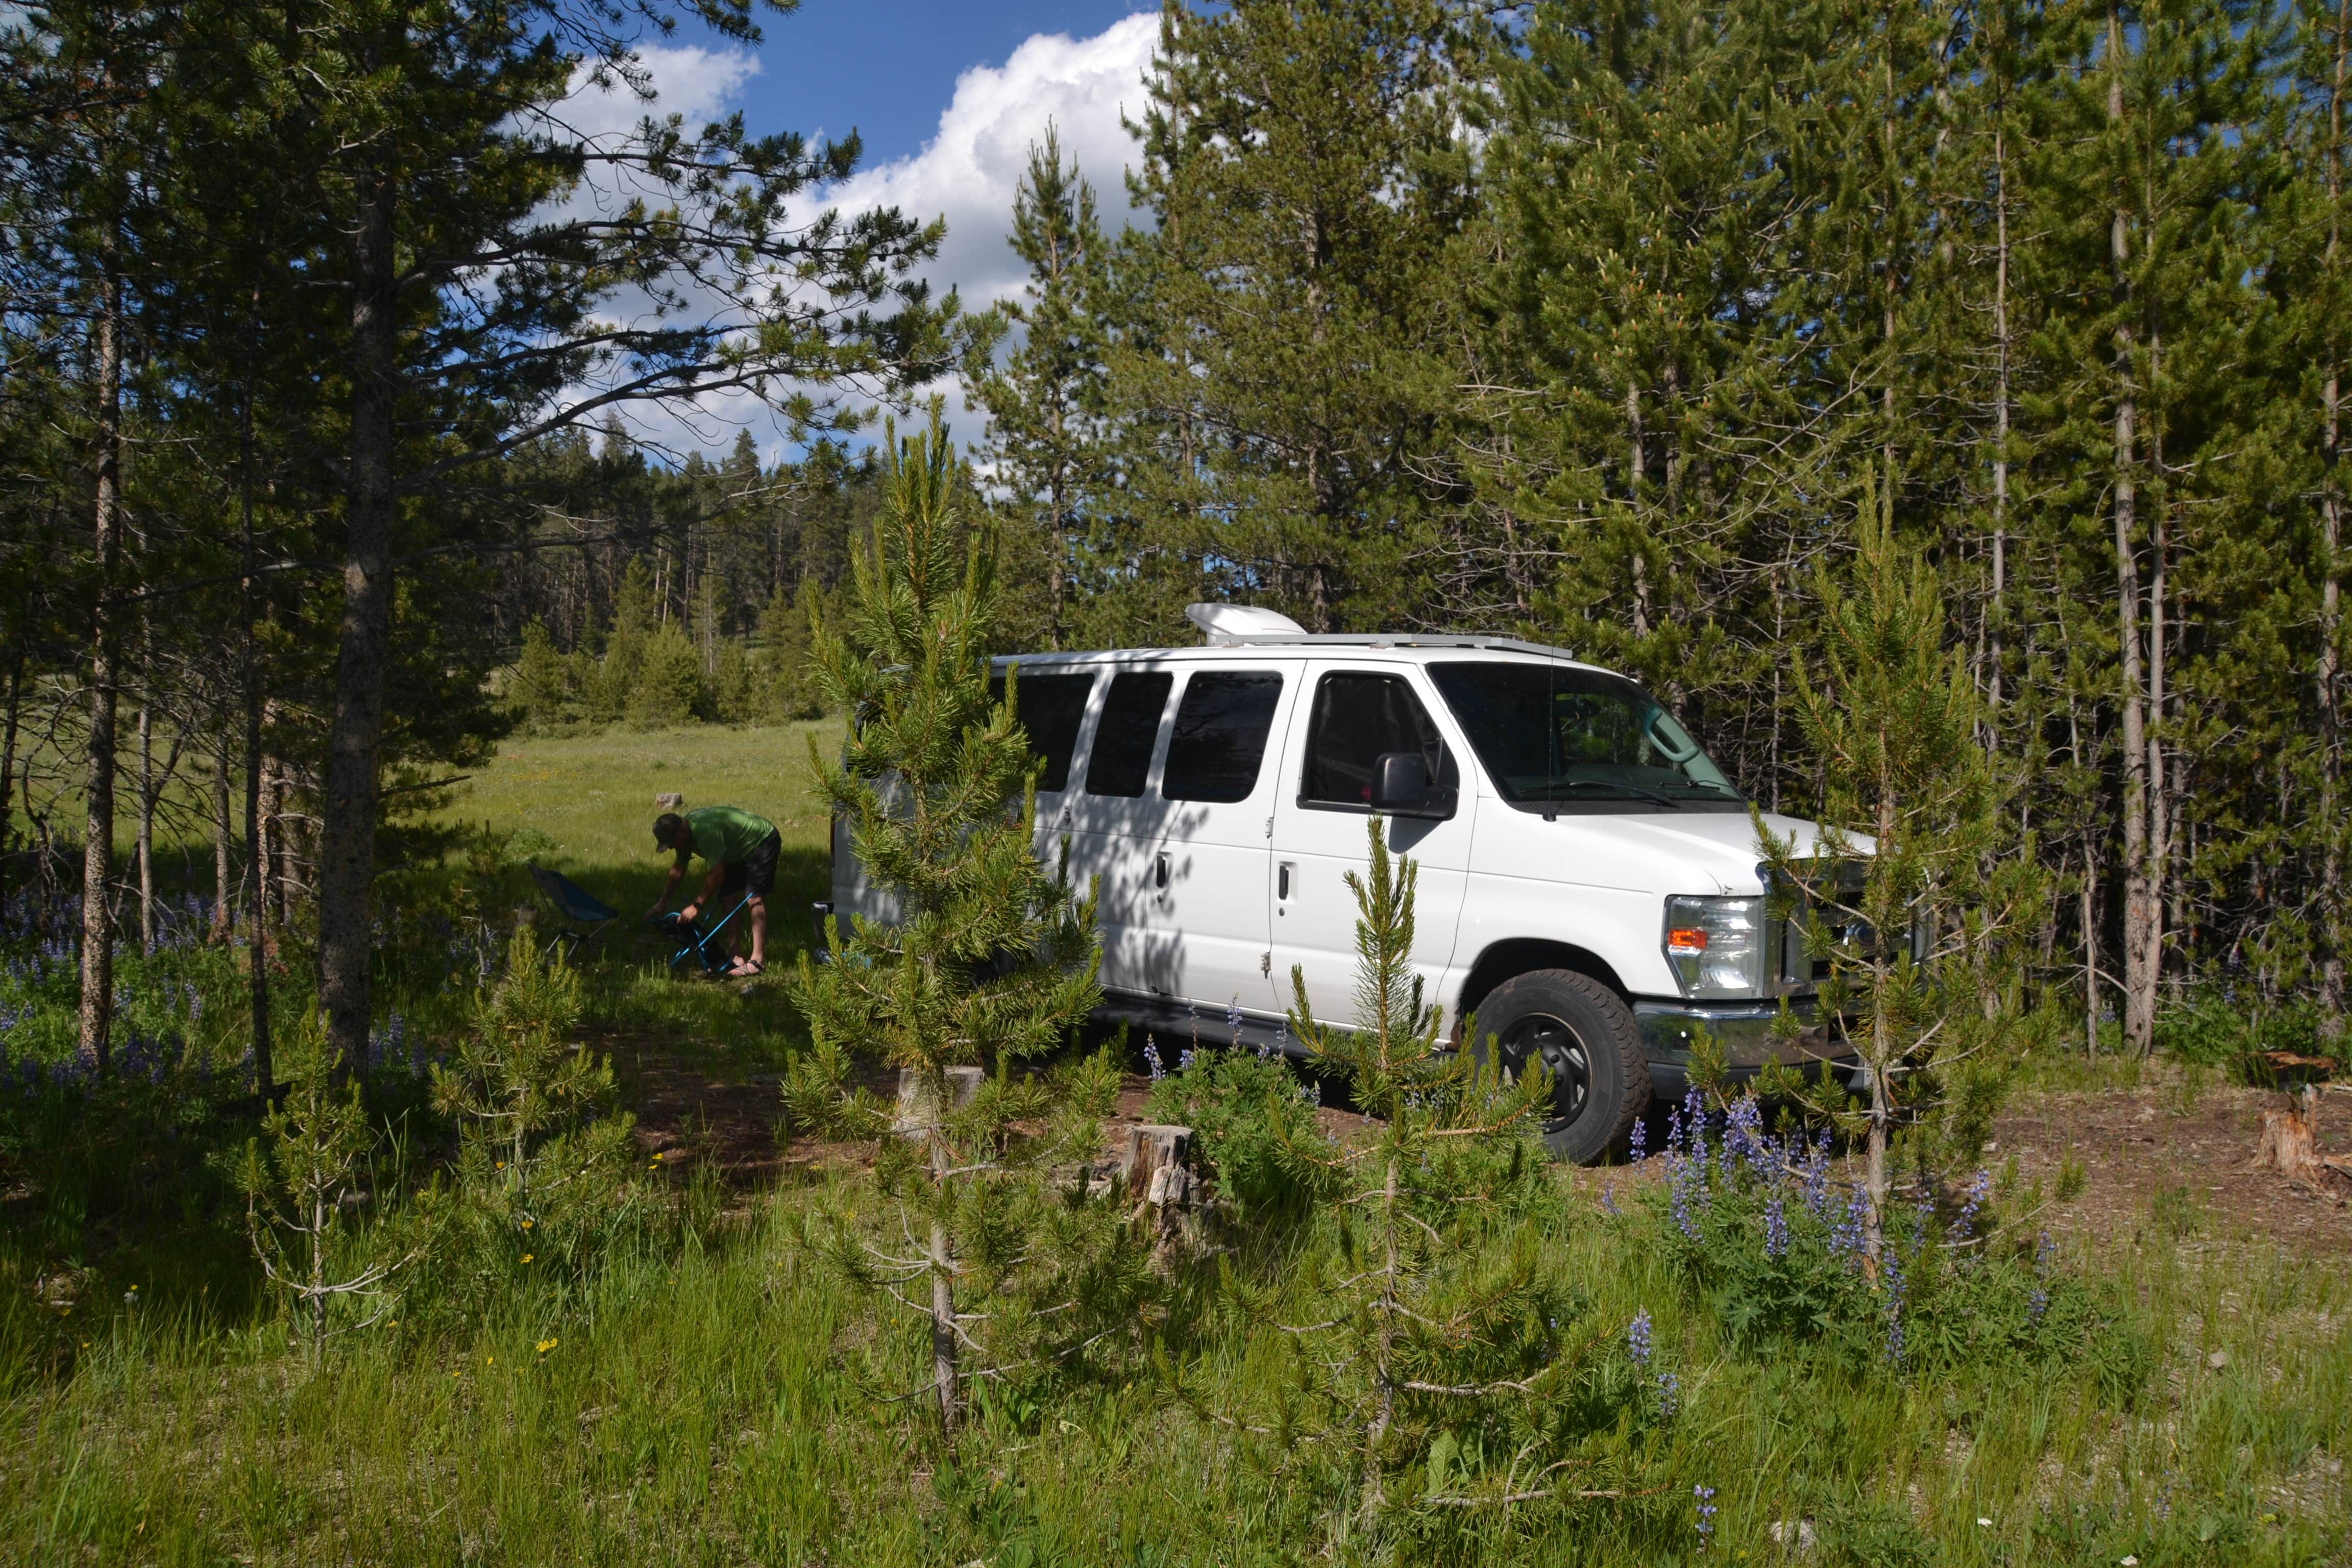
[1586, 1035]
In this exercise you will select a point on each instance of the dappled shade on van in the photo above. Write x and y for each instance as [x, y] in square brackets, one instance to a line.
[1219, 739]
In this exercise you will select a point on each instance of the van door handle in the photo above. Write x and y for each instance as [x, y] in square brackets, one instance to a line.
[1159, 873]
[1282, 881]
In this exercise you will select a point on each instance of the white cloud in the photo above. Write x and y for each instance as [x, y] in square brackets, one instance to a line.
[967, 173]
[697, 84]
[969, 169]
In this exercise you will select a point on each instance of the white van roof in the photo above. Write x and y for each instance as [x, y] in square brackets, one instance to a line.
[1234, 637]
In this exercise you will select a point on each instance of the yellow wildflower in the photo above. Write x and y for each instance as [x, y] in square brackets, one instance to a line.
[529, 1255]
[547, 1345]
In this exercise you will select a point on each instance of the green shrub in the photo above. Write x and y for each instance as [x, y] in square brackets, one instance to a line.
[1251, 1120]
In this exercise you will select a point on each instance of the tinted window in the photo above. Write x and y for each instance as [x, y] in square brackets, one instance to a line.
[1123, 737]
[1219, 736]
[1358, 719]
[1551, 735]
[1051, 706]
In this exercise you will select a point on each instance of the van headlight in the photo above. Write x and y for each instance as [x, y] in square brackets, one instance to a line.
[1716, 946]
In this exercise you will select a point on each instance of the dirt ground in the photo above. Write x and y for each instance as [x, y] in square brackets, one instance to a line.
[2153, 1155]
[2160, 1155]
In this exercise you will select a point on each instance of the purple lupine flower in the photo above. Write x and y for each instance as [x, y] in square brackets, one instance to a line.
[1776, 1227]
[1703, 1498]
[1234, 1019]
[1185, 1057]
[1637, 1339]
[1640, 1141]
[1315, 1093]
[1670, 1396]
[1609, 1198]
[1151, 1057]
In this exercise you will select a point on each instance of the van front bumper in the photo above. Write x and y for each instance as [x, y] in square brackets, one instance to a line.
[1743, 1031]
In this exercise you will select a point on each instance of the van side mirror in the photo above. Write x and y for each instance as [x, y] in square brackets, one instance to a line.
[1402, 787]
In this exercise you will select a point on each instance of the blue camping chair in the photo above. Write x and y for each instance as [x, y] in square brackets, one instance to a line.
[576, 904]
[698, 942]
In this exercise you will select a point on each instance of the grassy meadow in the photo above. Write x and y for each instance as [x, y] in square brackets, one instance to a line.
[710, 1391]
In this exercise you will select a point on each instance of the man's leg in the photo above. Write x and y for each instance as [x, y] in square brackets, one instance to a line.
[758, 931]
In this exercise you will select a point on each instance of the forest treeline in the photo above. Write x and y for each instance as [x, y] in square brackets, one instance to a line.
[1596, 322]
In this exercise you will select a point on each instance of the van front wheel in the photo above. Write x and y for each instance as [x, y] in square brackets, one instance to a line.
[1577, 1029]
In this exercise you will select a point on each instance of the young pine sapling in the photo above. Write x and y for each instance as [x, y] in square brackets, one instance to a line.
[1918, 923]
[990, 963]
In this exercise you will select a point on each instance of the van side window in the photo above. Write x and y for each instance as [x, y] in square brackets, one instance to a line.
[1052, 706]
[1219, 736]
[1123, 736]
[1359, 716]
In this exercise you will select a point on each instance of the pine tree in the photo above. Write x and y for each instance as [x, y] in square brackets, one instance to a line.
[1427, 1328]
[1897, 897]
[1045, 406]
[991, 962]
[1278, 370]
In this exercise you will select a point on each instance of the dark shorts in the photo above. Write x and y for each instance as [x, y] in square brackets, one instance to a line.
[756, 874]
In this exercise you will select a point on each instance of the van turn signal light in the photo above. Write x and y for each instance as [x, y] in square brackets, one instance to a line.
[1686, 942]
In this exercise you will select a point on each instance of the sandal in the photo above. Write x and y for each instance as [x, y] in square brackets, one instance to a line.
[746, 969]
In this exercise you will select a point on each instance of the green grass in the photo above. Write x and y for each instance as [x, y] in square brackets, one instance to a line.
[716, 1396]
[592, 795]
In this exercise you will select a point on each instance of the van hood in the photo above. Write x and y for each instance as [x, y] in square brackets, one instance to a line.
[1722, 842]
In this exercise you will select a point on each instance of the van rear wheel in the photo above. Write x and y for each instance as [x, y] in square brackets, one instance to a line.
[1585, 1036]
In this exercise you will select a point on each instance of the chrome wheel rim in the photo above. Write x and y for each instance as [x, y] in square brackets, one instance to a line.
[1542, 1039]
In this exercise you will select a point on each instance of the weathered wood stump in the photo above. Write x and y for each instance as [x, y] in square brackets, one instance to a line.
[918, 1109]
[2290, 1138]
[2289, 1142]
[1155, 1164]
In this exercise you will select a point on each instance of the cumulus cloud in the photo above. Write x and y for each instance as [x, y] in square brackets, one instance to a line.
[969, 169]
[967, 172]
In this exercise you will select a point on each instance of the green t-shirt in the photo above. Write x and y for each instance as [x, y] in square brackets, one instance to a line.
[724, 833]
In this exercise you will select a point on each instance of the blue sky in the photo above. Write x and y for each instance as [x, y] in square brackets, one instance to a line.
[889, 69]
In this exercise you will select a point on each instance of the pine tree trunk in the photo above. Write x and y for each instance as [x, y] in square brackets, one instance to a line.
[221, 839]
[347, 850]
[2088, 893]
[8, 776]
[2337, 920]
[1384, 1380]
[2139, 892]
[257, 914]
[944, 1357]
[146, 847]
[98, 846]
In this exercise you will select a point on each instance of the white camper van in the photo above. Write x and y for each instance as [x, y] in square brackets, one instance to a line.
[1589, 883]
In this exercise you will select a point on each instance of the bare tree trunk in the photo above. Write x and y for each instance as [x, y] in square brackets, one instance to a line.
[2088, 893]
[1999, 608]
[2335, 918]
[98, 845]
[1384, 1378]
[347, 850]
[146, 842]
[944, 1357]
[8, 776]
[221, 921]
[2141, 915]
[1633, 477]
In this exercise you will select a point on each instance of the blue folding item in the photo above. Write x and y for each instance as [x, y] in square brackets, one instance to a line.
[576, 904]
[701, 944]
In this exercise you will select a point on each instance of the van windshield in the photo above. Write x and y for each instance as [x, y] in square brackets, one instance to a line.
[1578, 739]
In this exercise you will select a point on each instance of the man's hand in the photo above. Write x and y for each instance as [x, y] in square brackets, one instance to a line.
[654, 913]
[686, 914]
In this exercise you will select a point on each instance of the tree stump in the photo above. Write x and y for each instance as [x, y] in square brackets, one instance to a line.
[918, 1112]
[1155, 1165]
[2290, 1138]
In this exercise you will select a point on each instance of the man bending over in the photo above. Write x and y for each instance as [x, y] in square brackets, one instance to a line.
[742, 850]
